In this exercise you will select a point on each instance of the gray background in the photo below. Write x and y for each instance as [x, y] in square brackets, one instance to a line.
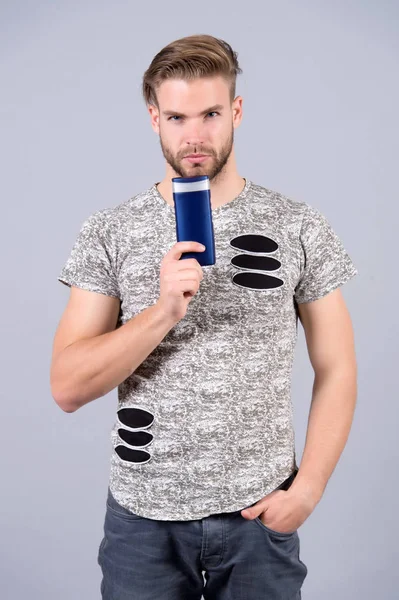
[320, 89]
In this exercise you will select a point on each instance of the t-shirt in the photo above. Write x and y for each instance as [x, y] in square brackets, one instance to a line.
[205, 424]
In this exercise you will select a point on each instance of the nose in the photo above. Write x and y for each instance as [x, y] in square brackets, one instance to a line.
[195, 135]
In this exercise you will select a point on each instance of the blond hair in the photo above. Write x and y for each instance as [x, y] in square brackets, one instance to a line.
[189, 58]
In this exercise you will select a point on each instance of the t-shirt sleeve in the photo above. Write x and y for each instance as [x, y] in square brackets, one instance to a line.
[89, 265]
[326, 264]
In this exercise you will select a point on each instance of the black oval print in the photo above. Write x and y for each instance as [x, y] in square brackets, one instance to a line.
[259, 263]
[257, 281]
[132, 456]
[255, 245]
[135, 438]
[135, 418]
[254, 242]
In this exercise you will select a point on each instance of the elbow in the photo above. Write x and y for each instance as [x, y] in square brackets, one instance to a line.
[62, 396]
[64, 404]
[63, 401]
[68, 408]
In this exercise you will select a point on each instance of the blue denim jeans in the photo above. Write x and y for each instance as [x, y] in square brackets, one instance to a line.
[240, 559]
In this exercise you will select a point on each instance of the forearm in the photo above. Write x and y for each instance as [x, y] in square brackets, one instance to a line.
[90, 368]
[330, 419]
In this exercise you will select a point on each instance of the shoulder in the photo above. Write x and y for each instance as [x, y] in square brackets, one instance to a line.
[114, 220]
[286, 209]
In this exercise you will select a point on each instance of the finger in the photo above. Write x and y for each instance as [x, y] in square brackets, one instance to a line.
[177, 250]
[254, 511]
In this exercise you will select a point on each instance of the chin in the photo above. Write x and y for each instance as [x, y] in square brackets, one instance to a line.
[191, 172]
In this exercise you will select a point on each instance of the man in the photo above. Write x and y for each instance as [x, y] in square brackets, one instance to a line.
[204, 477]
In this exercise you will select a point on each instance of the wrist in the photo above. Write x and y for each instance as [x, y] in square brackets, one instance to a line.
[308, 488]
[163, 315]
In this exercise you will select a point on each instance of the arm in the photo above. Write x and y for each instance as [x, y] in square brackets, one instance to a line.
[330, 342]
[91, 357]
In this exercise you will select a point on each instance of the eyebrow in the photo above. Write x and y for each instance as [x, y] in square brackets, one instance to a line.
[216, 107]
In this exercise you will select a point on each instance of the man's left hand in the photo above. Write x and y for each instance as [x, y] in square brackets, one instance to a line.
[282, 510]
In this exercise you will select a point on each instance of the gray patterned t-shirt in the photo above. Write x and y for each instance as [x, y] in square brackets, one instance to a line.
[205, 424]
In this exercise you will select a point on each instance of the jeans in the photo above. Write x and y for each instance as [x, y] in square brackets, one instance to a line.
[147, 559]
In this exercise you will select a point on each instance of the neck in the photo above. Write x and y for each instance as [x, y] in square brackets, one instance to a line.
[226, 186]
[221, 191]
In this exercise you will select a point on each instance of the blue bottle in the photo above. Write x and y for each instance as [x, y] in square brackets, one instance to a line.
[193, 214]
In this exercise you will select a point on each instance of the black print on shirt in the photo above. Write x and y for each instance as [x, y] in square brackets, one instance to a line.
[135, 419]
[137, 439]
[261, 263]
[253, 263]
[254, 242]
[132, 456]
[134, 434]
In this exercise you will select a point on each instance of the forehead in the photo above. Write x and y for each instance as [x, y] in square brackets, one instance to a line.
[178, 94]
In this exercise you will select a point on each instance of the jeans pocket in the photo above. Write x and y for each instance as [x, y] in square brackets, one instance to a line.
[283, 486]
[281, 534]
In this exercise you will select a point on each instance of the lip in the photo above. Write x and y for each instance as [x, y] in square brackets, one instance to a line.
[197, 157]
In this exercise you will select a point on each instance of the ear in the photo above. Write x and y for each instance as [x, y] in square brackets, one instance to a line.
[154, 114]
[237, 111]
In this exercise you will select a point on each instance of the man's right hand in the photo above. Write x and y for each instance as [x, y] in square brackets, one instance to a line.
[179, 280]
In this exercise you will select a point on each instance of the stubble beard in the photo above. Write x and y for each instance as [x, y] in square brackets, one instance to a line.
[214, 170]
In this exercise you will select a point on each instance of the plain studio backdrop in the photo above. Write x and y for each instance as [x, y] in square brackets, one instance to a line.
[320, 125]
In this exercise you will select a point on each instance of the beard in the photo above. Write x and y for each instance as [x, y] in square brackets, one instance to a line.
[217, 160]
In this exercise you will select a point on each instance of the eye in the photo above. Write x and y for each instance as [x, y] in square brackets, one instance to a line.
[174, 117]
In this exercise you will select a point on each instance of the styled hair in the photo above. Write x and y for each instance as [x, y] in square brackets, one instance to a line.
[189, 58]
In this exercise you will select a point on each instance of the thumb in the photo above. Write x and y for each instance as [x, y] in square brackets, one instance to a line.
[253, 511]
[261, 506]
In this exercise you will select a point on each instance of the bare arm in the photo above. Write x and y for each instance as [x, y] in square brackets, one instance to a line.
[330, 341]
[91, 357]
